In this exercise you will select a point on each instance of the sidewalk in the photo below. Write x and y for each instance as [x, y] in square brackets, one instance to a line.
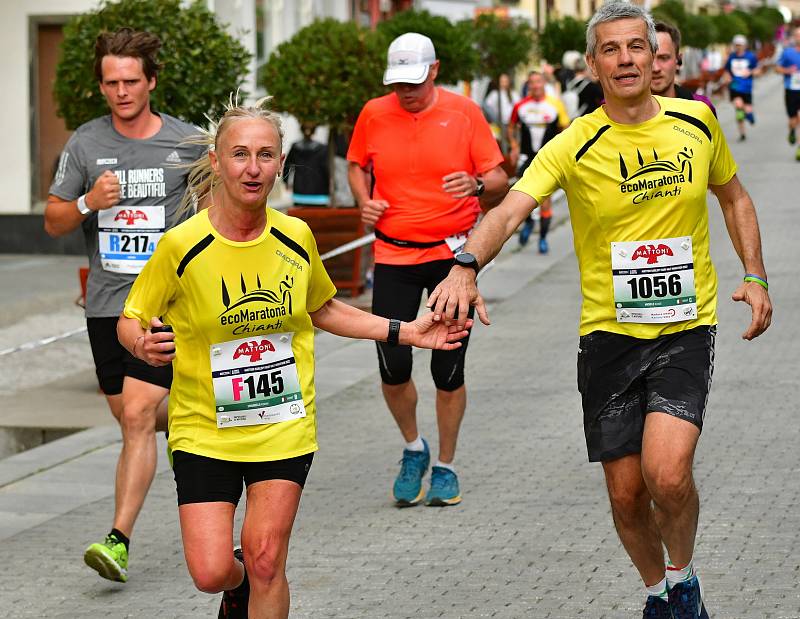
[533, 538]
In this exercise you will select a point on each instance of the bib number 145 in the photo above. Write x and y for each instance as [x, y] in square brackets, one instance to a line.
[252, 386]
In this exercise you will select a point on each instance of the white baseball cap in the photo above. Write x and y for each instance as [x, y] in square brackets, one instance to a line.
[740, 39]
[409, 59]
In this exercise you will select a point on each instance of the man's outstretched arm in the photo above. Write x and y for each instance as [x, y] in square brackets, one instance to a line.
[451, 299]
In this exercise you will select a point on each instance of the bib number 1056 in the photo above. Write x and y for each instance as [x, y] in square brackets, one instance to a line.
[266, 384]
[655, 286]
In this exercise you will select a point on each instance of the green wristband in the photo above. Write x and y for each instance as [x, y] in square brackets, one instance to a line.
[749, 277]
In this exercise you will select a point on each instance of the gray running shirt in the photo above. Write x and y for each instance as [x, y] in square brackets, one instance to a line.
[149, 180]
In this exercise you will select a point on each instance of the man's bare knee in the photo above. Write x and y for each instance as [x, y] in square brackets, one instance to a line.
[138, 418]
[669, 483]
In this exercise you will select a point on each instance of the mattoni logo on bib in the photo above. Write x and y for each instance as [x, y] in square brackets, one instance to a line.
[651, 252]
[254, 350]
[129, 216]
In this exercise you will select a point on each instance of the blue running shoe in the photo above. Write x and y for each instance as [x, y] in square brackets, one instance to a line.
[686, 601]
[408, 485]
[525, 233]
[543, 246]
[444, 488]
[656, 608]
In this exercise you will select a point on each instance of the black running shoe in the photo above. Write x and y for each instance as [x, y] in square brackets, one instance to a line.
[656, 608]
[686, 600]
[234, 602]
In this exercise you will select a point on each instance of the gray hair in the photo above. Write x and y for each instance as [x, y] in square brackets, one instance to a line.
[614, 10]
[201, 180]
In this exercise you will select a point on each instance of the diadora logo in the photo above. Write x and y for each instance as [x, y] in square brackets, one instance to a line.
[249, 313]
[659, 178]
[651, 252]
[130, 216]
[254, 350]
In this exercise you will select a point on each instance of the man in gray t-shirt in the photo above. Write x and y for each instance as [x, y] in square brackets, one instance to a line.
[119, 179]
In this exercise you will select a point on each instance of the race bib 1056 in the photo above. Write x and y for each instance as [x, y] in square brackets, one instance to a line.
[654, 280]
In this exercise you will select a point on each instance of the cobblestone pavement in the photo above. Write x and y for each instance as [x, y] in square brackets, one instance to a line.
[533, 537]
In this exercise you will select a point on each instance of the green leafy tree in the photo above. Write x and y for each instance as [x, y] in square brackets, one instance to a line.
[324, 74]
[771, 15]
[698, 31]
[763, 22]
[728, 25]
[674, 12]
[455, 50]
[502, 44]
[202, 63]
[561, 35]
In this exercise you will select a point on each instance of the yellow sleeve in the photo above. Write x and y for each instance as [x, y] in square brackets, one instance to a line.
[563, 117]
[722, 165]
[155, 287]
[548, 170]
[320, 287]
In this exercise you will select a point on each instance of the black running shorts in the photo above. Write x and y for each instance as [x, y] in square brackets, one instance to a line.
[397, 293]
[746, 97]
[113, 363]
[200, 479]
[621, 379]
[792, 100]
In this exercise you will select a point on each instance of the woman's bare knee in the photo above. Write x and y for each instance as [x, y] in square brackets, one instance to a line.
[266, 559]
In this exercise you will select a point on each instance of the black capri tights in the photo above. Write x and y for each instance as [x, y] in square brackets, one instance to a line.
[397, 293]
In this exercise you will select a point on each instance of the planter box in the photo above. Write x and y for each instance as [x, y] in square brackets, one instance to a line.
[333, 227]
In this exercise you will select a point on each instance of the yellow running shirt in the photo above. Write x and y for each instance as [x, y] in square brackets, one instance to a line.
[637, 201]
[243, 386]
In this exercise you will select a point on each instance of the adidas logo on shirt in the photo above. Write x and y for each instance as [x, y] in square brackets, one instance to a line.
[174, 157]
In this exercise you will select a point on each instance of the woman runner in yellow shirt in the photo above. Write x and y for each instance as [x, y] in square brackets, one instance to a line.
[243, 287]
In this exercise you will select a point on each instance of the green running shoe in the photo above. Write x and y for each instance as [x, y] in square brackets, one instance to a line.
[109, 559]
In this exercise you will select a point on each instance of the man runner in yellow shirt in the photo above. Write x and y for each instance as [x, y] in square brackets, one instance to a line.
[636, 172]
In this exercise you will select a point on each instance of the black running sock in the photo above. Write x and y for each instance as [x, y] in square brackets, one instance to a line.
[544, 226]
[121, 537]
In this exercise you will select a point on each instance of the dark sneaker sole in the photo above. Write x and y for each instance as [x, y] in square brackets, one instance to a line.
[407, 503]
[437, 502]
[105, 566]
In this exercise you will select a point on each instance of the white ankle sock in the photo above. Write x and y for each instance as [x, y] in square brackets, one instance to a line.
[678, 575]
[659, 590]
[416, 444]
[445, 465]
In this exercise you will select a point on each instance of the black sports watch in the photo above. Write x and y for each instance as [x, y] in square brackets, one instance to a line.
[466, 259]
[479, 189]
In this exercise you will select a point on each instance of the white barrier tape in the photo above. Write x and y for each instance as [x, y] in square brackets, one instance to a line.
[42, 342]
[343, 249]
